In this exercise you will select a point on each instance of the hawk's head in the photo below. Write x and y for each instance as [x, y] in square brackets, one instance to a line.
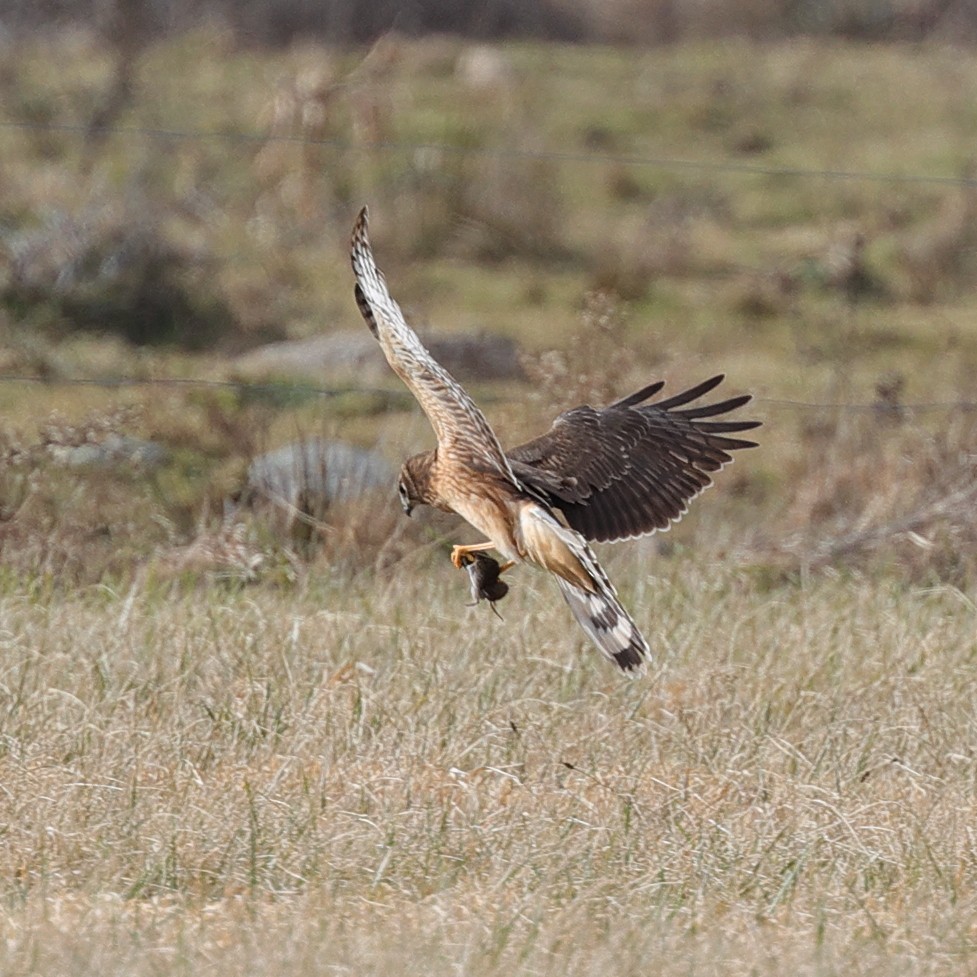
[414, 486]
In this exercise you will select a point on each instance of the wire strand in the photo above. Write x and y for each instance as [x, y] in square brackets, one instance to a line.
[109, 383]
[499, 152]
[301, 388]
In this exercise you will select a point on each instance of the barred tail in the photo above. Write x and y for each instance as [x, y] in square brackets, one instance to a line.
[547, 543]
[607, 623]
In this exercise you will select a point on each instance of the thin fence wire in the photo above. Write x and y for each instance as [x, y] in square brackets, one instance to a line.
[408, 148]
[288, 388]
[111, 383]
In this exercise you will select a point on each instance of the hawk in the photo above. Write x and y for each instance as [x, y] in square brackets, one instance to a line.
[613, 473]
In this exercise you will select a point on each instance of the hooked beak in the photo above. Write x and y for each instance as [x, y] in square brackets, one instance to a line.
[408, 509]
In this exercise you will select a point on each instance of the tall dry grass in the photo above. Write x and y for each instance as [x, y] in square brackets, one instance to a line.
[365, 774]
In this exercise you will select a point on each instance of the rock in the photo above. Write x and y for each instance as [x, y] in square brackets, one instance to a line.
[485, 68]
[116, 450]
[477, 356]
[354, 353]
[313, 474]
[338, 354]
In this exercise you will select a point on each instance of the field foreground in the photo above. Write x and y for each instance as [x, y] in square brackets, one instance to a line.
[369, 777]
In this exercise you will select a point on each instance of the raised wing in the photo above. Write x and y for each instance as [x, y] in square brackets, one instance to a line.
[628, 469]
[457, 421]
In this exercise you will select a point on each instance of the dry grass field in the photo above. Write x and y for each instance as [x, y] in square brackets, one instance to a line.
[366, 777]
[224, 753]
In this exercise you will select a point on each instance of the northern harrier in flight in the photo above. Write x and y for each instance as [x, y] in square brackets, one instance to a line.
[613, 473]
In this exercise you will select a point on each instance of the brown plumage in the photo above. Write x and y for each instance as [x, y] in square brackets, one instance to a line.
[625, 470]
[614, 473]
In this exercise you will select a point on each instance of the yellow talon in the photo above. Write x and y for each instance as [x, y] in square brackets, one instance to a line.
[459, 553]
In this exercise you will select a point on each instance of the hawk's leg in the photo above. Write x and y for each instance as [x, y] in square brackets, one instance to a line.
[458, 553]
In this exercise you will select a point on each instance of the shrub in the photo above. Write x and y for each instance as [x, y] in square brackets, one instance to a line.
[115, 272]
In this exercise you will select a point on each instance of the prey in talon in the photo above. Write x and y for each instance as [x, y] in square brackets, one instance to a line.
[483, 576]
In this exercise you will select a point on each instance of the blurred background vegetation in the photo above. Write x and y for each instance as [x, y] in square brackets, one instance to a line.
[569, 200]
[272, 22]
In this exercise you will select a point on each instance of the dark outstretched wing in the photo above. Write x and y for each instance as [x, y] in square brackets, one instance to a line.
[628, 469]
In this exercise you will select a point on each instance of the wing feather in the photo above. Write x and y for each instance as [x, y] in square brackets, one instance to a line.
[632, 468]
[457, 421]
